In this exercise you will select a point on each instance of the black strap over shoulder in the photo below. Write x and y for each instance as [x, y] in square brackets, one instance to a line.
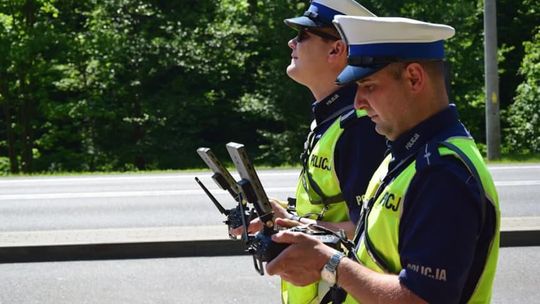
[336, 295]
[347, 113]
[472, 169]
[429, 155]
[348, 119]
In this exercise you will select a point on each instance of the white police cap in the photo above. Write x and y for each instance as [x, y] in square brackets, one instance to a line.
[321, 13]
[374, 42]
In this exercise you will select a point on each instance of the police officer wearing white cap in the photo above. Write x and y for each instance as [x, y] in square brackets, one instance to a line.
[429, 230]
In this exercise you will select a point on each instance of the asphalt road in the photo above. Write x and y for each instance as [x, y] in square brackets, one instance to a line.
[220, 280]
[162, 200]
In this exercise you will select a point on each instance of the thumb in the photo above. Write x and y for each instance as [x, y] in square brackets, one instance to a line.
[287, 237]
[275, 201]
[255, 225]
[287, 223]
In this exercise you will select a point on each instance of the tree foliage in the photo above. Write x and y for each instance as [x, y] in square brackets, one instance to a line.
[135, 84]
[524, 114]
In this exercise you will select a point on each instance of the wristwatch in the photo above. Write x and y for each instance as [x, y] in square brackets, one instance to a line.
[329, 271]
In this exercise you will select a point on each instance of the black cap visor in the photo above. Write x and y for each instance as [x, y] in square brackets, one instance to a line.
[302, 22]
[353, 73]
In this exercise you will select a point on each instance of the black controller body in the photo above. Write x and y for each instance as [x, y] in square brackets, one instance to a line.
[266, 250]
[234, 217]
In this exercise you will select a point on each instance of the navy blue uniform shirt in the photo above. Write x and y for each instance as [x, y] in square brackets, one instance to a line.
[359, 150]
[441, 226]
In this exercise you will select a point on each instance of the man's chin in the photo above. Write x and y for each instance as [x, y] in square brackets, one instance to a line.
[296, 74]
[290, 68]
[292, 71]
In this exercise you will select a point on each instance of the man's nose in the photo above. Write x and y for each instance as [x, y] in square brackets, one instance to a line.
[360, 101]
[292, 43]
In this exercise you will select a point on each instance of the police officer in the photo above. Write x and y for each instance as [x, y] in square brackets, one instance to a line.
[342, 150]
[429, 230]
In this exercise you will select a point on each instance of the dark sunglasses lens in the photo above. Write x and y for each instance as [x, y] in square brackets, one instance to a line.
[302, 35]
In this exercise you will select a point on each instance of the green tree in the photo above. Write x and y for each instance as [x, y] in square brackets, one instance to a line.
[523, 135]
[133, 84]
[27, 29]
[276, 105]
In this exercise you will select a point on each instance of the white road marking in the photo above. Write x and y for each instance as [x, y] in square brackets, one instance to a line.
[156, 193]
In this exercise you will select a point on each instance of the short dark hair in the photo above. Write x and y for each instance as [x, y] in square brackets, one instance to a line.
[435, 68]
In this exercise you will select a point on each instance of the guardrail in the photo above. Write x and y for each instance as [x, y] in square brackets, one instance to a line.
[139, 243]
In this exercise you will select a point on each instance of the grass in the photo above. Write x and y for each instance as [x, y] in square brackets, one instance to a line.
[516, 158]
[507, 158]
[136, 172]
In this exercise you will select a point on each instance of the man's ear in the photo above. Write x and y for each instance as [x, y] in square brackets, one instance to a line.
[415, 75]
[339, 49]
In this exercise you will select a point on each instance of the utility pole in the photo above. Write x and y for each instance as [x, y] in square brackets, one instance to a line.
[493, 122]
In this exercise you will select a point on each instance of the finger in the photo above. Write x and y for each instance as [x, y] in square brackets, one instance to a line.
[279, 203]
[277, 207]
[287, 237]
[287, 223]
[276, 265]
[273, 267]
[275, 204]
[255, 226]
[237, 231]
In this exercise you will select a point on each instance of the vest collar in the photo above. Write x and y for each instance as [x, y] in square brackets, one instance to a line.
[434, 128]
[334, 102]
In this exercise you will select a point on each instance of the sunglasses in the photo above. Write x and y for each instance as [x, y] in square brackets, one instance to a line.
[303, 35]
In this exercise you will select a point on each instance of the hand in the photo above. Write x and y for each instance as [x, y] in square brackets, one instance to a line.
[302, 262]
[254, 226]
[279, 209]
[281, 213]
